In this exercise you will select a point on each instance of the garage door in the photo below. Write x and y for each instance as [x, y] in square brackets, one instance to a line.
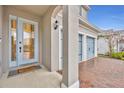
[90, 47]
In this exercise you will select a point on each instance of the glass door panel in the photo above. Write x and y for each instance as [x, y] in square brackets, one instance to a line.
[28, 41]
[13, 40]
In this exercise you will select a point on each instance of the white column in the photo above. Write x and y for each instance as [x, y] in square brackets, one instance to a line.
[85, 47]
[70, 46]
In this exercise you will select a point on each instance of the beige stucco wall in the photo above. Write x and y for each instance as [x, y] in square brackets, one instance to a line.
[46, 39]
[50, 41]
[0, 41]
[7, 11]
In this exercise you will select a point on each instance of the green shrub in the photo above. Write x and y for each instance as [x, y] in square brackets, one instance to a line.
[123, 54]
[118, 55]
[113, 55]
[122, 58]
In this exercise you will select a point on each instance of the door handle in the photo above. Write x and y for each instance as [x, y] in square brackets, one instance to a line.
[20, 49]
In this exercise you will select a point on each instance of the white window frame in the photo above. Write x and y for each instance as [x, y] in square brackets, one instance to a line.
[82, 46]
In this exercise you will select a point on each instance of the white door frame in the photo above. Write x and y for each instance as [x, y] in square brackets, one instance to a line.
[19, 32]
[82, 47]
[60, 48]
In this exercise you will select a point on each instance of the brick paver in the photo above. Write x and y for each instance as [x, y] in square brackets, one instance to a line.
[102, 73]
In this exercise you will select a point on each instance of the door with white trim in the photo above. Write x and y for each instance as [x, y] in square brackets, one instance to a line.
[23, 41]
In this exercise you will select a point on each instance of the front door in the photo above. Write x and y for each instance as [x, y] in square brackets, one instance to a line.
[23, 41]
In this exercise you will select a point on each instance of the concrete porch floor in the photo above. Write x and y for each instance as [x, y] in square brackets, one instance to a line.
[41, 78]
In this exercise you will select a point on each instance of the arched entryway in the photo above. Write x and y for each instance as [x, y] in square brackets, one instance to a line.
[64, 45]
[57, 38]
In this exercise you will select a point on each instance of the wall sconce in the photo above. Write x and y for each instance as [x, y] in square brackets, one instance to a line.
[56, 24]
[0, 39]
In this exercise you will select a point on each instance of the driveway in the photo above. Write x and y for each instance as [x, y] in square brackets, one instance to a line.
[102, 73]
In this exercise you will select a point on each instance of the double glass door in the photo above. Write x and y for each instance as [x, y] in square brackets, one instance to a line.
[23, 41]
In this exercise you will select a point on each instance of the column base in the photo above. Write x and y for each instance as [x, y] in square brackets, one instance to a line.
[75, 85]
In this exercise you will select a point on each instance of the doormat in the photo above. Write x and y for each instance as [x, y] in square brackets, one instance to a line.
[23, 70]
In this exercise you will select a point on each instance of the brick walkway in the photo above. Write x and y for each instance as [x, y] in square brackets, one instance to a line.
[102, 73]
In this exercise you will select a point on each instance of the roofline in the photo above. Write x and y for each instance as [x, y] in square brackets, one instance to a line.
[87, 7]
[87, 24]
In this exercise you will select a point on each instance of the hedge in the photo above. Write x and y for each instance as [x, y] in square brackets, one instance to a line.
[118, 55]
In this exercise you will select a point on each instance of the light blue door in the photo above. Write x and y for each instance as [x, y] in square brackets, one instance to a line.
[90, 47]
[80, 53]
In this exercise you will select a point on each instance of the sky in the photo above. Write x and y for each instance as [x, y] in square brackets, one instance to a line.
[107, 17]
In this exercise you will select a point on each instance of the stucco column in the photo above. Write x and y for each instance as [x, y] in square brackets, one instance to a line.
[70, 46]
[85, 47]
[0, 40]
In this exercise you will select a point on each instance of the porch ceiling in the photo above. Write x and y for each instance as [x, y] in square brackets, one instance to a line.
[38, 10]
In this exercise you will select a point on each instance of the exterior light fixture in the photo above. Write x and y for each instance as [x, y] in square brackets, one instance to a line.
[56, 24]
[0, 39]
